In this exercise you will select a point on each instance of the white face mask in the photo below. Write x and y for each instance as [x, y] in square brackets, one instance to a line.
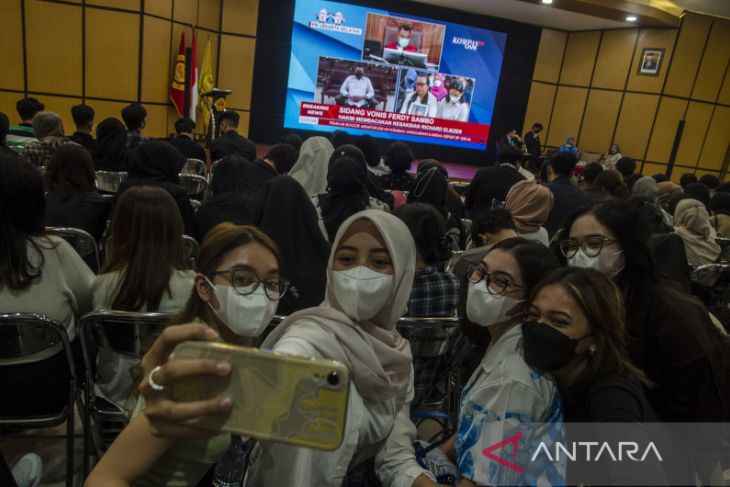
[487, 309]
[403, 41]
[361, 292]
[247, 315]
[454, 99]
[609, 263]
[437, 83]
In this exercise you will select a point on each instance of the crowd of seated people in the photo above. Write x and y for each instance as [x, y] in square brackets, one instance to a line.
[575, 300]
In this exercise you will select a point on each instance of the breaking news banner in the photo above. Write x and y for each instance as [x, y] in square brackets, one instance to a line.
[379, 120]
[512, 453]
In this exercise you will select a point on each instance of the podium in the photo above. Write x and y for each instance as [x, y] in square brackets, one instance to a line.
[215, 99]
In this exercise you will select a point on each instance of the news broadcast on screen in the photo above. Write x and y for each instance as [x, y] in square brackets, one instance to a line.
[391, 75]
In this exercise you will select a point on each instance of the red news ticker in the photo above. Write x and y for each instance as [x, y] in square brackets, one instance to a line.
[371, 119]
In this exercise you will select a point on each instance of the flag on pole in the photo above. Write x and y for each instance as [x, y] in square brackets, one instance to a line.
[193, 82]
[206, 82]
[177, 90]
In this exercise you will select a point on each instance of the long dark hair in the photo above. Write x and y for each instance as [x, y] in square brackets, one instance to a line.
[428, 227]
[534, 260]
[630, 228]
[22, 215]
[601, 302]
[71, 169]
[145, 247]
[217, 243]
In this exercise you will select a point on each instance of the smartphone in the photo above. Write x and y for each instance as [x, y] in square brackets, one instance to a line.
[295, 400]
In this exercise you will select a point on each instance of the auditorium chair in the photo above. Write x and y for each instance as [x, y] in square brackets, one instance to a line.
[196, 186]
[195, 167]
[109, 181]
[82, 242]
[26, 340]
[190, 251]
[122, 333]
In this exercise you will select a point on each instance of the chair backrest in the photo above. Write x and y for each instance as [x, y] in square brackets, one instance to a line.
[708, 274]
[190, 251]
[84, 244]
[109, 181]
[455, 258]
[121, 332]
[30, 337]
[193, 184]
[335, 79]
[429, 337]
[194, 167]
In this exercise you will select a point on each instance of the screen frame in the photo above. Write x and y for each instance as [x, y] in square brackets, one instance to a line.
[271, 75]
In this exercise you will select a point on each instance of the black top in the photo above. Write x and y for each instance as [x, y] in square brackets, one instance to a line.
[188, 147]
[86, 211]
[261, 173]
[532, 144]
[287, 215]
[631, 179]
[232, 144]
[86, 141]
[610, 399]
[159, 164]
[224, 207]
[490, 183]
[396, 182]
[670, 259]
[568, 198]
[111, 151]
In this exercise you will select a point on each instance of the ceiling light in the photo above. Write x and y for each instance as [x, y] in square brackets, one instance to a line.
[631, 18]
[547, 2]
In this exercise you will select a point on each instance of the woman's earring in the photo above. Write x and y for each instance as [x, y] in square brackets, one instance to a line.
[592, 348]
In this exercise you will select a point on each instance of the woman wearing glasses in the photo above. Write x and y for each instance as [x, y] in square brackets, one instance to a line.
[672, 337]
[237, 289]
[504, 398]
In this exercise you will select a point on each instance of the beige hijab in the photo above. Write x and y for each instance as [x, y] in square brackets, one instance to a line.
[311, 167]
[666, 190]
[530, 203]
[378, 358]
[692, 223]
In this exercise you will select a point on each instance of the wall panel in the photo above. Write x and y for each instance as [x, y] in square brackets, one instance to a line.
[634, 123]
[714, 62]
[539, 106]
[106, 109]
[132, 5]
[7, 105]
[717, 140]
[671, 111]
[651, 38]
[599, 120]
[567, 114]
[240, 16]
[236, 71]
[650, 169]
[614, 59]
[161, 8]
[156, 61]
[185, 11]
[11, 58]
[580, 56]
[697, 120]
[550, 55]
[54, 48]
[688, 54]
[111, 54]
[157, 125]
[724, 96]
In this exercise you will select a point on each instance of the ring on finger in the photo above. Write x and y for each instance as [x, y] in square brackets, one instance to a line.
[151, 381]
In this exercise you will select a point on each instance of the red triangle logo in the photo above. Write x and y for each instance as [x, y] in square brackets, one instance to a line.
[512, 440]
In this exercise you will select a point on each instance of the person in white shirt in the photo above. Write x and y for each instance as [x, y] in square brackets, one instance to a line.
[357, 90]
[453, 106]
[505, 400]
[422, 102]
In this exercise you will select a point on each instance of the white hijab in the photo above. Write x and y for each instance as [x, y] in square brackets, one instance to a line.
[378, 358]
[311, 167]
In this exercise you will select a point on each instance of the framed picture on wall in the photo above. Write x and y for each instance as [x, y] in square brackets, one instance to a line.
[651, 60]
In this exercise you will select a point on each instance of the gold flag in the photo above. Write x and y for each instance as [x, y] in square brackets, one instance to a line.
[205, 84]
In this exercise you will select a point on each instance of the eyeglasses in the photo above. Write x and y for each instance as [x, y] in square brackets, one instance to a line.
[245, 282]
[591, 245]
[497, 282]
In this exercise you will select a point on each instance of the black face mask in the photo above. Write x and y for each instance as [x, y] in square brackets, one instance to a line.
[545, 348]
[358, 75]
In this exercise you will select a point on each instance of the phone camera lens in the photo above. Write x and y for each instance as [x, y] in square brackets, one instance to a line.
[333, 379]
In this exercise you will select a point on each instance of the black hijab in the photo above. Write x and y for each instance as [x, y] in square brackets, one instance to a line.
[347, 193]
[286, 214]
[720, 203]
[4, 128]
[111, 153]
[157, 162]
[371, 180]
[430, 187]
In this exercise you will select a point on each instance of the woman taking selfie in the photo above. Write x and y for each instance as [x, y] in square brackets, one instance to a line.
[237, 277]
[369, 280]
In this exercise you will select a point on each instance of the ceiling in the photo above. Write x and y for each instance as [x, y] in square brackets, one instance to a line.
[573, 15]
